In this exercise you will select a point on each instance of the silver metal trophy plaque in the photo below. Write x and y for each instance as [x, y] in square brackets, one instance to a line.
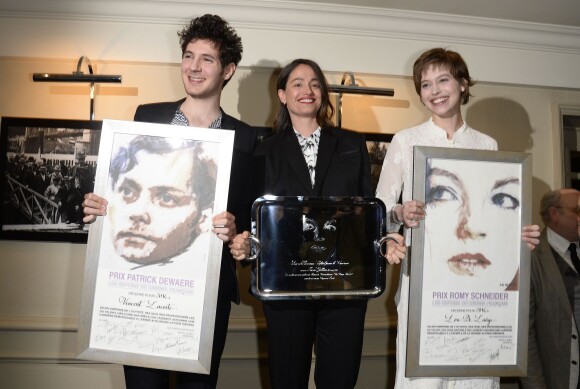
[318, 247]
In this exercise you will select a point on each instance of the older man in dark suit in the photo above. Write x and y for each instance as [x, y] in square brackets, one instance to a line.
[553, 356]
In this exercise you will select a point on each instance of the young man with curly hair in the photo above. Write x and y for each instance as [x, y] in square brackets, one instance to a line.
[211, 51]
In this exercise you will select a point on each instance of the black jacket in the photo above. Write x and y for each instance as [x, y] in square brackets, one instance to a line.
[342, 165]
[241, 192]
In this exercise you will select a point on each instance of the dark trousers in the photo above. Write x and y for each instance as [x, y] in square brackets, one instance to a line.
[146, 378]
[335, 327]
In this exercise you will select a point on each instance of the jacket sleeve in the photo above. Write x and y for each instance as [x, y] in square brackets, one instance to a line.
[535, 378]
[391, 180]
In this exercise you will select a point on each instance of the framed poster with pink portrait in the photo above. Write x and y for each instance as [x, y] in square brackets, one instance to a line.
[469, 291]
[152, 264]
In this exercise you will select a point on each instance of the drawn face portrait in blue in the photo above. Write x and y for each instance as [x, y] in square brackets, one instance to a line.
[158, 195]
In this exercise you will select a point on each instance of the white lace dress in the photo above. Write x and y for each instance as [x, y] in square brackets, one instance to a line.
[397, 175]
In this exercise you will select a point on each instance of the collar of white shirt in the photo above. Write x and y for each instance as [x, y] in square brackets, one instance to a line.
[560, 244]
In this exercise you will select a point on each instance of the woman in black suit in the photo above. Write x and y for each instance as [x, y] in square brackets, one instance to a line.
[307, 156]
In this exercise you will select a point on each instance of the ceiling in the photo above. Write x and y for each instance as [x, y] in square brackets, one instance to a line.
[554, 12]
[559, 12]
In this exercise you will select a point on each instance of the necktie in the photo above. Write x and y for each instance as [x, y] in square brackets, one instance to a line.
[574, 256]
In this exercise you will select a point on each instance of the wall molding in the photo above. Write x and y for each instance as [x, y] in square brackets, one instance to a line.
[340, 38]
[237, 324]
[52, 340]
[39, 323]
[314, 18]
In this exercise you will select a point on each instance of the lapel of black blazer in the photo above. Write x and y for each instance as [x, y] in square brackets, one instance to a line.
[228, 122]
[169, 113]
[326, 149]
[166, 112]
[157, 112]
[296, 159]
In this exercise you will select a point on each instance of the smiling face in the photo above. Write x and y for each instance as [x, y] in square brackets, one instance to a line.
[302, 94]
[441, 92]
[153, 209]
[472, 222]
[201, 71]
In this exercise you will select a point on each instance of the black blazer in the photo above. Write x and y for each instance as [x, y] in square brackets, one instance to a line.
[342, 165]
[240, 194]
[342, 168]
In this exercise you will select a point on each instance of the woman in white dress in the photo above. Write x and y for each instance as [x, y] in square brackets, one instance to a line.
[442, 82]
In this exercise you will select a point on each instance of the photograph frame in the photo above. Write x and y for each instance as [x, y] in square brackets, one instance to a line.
[161, 314]
[377, 145]
[43, 143]
[450, 332]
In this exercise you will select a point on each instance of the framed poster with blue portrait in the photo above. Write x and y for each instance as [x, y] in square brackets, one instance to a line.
[152, 264]
[469, 292]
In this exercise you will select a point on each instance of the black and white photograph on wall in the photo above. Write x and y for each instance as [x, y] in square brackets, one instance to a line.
[469, 292]
[377, 145]
[47, 166]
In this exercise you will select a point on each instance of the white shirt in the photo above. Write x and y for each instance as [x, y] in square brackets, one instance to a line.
[561, 245]
[397, 176]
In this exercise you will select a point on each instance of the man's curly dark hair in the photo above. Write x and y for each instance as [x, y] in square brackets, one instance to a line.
[215, 29]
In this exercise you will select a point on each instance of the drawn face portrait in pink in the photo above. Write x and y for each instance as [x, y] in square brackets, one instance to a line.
[472, 227]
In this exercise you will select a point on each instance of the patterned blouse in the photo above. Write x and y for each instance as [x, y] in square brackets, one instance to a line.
[309, 148]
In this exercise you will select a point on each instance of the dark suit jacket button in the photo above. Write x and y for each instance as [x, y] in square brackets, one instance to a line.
[574, 362]
[574, 336]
